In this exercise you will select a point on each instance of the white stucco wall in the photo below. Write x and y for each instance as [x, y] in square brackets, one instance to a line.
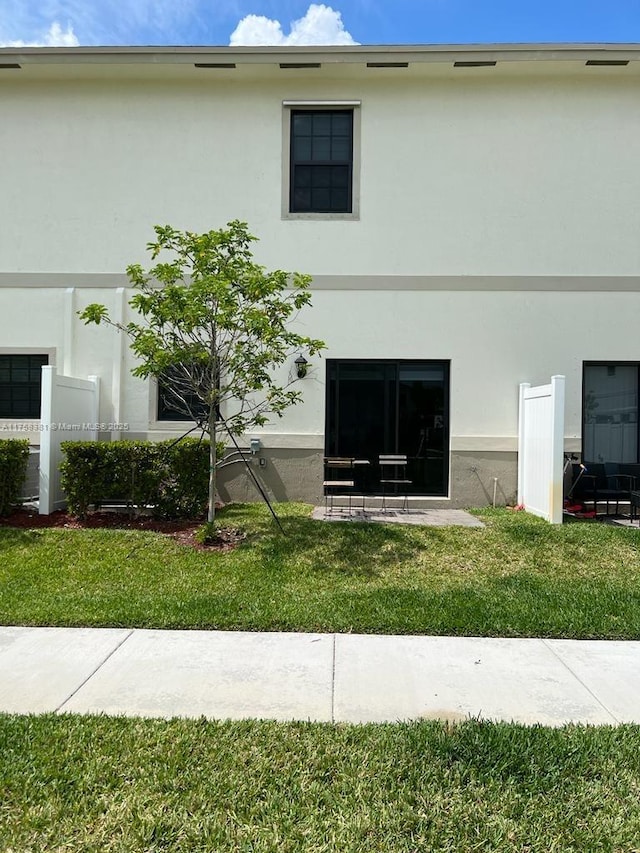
[472, 172]
[494, 173]
[494, 340]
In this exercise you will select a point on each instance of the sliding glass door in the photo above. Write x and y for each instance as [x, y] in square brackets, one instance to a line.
[610, 412]
[381, 407]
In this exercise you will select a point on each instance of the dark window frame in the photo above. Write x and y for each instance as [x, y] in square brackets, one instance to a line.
[315, 165]
[31, 407]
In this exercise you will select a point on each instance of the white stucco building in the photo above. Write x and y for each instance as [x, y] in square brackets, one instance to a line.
[469, 215]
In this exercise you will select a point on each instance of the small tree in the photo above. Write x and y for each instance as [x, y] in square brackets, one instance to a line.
[215, 326]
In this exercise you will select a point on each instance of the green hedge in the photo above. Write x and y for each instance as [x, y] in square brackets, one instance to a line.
[14, 458]
[171, 478]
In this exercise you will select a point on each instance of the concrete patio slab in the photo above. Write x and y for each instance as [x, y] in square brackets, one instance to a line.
[216, 674]
[379, 678]
[423, 517]
[41, 668]
[609, 669]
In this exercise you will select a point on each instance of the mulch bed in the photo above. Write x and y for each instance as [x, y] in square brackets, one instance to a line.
[183, 531]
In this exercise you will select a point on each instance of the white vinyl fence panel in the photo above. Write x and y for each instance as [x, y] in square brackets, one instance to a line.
[69, 412]
[541, 449]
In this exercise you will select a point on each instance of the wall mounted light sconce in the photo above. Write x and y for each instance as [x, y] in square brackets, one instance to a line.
[301, 364]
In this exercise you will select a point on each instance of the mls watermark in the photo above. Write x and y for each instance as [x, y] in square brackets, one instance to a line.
[39, 426]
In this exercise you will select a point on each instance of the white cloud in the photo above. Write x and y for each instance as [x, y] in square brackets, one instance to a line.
[55, 36]
[321, 25]
[108, 22]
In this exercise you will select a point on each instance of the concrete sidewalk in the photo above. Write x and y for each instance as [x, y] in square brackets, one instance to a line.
[329, 677]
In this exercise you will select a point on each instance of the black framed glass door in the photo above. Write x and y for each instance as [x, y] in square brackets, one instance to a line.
[610, 397]
[380, 407]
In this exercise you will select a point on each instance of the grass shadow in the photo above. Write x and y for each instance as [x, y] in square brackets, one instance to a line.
[349, 548]
[12, 537]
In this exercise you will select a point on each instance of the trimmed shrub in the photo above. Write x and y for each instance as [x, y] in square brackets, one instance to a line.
[172, 479]
[14, 458]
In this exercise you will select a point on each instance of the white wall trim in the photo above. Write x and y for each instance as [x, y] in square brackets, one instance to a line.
[328, 104]
[68, 321]
[118, 356]
[519, 283]
[486, 443]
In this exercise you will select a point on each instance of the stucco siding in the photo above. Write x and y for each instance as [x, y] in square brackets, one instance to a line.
[462, 175]
[496, 230]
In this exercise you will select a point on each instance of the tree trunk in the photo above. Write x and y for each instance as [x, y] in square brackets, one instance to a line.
[211, 509]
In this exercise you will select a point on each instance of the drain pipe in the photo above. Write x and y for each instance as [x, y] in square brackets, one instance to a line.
[495, 489]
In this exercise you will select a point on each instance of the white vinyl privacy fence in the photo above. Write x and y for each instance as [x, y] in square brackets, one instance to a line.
[541, 449]
[68, 412]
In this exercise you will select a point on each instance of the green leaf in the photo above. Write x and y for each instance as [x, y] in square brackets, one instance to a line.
[94, 313]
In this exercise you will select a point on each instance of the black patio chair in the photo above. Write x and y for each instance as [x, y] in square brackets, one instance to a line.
[339, 480]
[393, 478]
[602, 483]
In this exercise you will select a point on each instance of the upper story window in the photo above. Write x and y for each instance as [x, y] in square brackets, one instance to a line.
[321, 161]
[20, 385]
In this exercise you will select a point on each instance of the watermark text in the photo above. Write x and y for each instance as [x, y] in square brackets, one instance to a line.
[39, 426]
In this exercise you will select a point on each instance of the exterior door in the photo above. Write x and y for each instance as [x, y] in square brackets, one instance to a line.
[377, 407]
[610, 412]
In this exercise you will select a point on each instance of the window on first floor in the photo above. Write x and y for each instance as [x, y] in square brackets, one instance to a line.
[321, 161]
[185, 406]
[610, 412]
[20, 385]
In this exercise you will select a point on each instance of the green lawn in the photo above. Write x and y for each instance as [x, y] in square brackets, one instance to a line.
[517, 577]
[99, 785]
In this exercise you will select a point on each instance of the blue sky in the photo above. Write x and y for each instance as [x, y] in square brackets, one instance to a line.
[220, 22]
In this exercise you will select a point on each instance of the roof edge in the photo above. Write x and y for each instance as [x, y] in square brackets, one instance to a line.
[328, 54]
